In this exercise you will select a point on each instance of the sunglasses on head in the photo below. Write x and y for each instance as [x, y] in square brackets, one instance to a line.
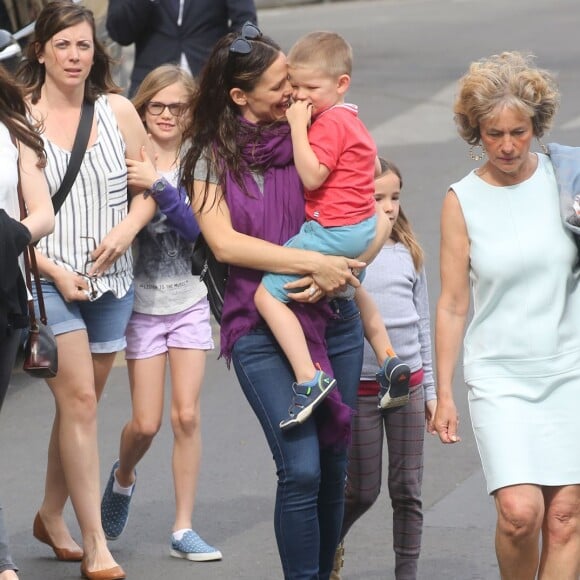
[242, 44]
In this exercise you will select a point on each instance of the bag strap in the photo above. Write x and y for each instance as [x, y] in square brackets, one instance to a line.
[77, 154]
[30, 266]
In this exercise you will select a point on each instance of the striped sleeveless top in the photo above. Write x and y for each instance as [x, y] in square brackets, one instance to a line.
[96, 203]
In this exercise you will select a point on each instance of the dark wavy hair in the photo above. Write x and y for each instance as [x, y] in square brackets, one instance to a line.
[54, 17]
[215, 123]
[14, 114]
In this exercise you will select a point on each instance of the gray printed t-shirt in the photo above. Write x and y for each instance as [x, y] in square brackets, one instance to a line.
[163, 280]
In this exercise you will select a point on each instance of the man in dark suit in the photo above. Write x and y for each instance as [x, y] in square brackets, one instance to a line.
[176, 31]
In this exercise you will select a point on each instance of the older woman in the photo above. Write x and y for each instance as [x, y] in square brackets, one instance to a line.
[501, 229]
[86, 269]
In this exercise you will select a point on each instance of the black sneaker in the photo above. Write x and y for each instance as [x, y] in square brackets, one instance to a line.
[393, 379]
[306, 398]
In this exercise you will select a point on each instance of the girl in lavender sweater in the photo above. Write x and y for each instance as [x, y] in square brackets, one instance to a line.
[397, 283]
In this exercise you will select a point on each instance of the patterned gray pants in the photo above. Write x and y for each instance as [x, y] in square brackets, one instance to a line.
[404, 428]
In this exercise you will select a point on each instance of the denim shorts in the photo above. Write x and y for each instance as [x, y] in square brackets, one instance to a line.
[153, 334]
[105, 319]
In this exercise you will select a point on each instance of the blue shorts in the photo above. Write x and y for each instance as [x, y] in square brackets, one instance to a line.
[349, 241]
[105, 319]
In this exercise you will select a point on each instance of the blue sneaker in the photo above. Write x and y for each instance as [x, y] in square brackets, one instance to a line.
[115, 508]
[192, 547]
[393, 379]
[306, 398]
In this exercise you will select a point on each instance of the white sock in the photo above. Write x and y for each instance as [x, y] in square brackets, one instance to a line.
[178, 535]
[122, 490]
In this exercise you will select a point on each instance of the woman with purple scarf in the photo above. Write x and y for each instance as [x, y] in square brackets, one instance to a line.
[248, 201]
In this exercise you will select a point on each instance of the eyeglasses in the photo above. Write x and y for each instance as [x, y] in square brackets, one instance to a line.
[156, 108]
[92, 292]
[91, 247]
[242, 44]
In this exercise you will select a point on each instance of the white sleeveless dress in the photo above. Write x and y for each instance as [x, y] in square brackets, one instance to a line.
[522, 346]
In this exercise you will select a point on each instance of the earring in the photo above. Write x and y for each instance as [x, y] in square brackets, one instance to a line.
[474, 155]
[544, 148]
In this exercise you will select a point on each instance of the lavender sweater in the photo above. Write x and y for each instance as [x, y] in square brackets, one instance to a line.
[400, 293]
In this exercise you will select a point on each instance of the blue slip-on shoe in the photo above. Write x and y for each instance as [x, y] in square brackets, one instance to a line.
[115, 507]
[393, 379]
[306, 398]
[192, 547]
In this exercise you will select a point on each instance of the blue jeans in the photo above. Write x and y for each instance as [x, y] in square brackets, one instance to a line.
[310, 494]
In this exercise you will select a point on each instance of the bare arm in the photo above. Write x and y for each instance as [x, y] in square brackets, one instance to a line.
[312, 173]
[383, 232]
[170, 200]
[374, 327]
[452, 309]
[232, 247]
[133, 132]
[40, 219]
[141, 209]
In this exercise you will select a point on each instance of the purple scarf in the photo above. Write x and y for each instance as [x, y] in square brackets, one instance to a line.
[275, 215]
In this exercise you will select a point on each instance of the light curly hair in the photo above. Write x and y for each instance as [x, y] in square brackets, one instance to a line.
[509, 79]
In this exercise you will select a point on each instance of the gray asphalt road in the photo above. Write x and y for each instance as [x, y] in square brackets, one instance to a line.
[408, 55]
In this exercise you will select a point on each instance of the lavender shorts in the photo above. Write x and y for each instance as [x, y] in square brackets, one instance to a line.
[153, 334]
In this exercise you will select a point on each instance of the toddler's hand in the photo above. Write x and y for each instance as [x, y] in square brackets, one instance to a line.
[299, 113]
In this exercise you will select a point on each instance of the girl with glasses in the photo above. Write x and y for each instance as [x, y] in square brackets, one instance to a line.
[170, 323]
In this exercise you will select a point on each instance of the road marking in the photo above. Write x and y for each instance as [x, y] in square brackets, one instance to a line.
[429, 122]
[573, 124]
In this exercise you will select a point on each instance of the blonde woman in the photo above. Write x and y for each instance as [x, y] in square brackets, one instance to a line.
[502, 234]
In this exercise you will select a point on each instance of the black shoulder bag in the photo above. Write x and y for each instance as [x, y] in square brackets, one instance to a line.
[212, 273]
